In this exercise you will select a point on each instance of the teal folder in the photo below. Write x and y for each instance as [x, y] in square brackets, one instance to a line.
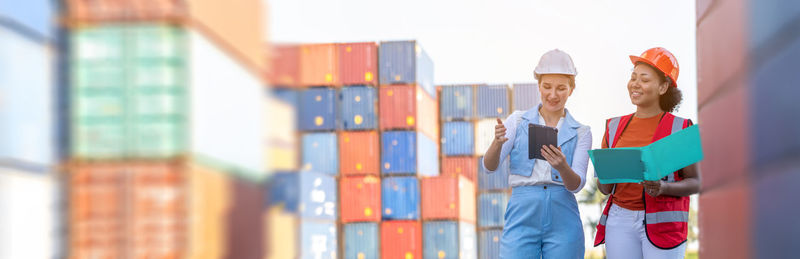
[648, 163]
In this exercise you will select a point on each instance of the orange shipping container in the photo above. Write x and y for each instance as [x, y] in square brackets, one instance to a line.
[319, 65]
[282, 233]
[359, 153]
[285, 66]
[358, 63]
[408, 107]
[210, 202]
[360, 198]
[96, 213]
[466, 166]
[448, 198]
[401, 239]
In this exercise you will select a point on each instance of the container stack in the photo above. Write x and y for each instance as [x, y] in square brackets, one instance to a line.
[165, 141]
[29, 226]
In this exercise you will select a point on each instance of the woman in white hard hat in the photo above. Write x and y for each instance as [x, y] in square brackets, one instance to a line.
[542, 218]
[648, 219]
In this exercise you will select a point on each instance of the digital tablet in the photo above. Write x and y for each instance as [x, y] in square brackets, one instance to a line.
[539, 136]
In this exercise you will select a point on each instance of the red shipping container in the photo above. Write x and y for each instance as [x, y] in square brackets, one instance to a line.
[408, 107]
[721, 48]
[360, 199]
[466, 166]
[448, 198]
[319, 65]
[285, 66]
[358, 63]
[724, 138]
[245, 240]
[359, 153]
[401, 240]
[725, 221]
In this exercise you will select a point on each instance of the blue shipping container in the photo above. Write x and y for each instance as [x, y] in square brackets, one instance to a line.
[457, 102]
[408, 152]
[769, 20]
[312, 195]
[290, 96]
[496, 181]
[491, 209]
[318, 240]
[458, 138]
[405, 62]
[31, 17]
[492, 101]
[358, 108]
[449, 239]
[320, 153]
[772, 219]
[525, 96]
[400, 198]
[489, 243]
[317, 109]
[361, 240]
[26, 98]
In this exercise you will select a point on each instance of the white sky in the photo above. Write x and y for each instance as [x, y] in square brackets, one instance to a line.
[500, 41]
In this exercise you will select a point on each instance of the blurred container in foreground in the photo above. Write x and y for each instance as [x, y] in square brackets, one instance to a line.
[358, 63]
[360, 198]
[245, 238]
[361, 240]
[401, 239]
[320, 153]
[33, 17]
[407, 107]
[492, 101]
[400, 198]
[404, 63]
[526, 96]
[209, 201]
[359, 153]
[466, 166]
[449, 239]
[448, 198]
[319, 65]
[496, 181]
[281, 138]
[285, 66]
[489, 243]
[282, 230]
[408, 152]
[358, 108]
[317, 109]
[484, 135]
[492, 209]
[309, 195]
[457, 102]
[458, 138]
[29, 225]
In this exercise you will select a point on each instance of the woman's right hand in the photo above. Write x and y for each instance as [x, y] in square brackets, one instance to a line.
[500, 132]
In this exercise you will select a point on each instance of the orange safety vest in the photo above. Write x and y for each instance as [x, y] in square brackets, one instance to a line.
[666, 219]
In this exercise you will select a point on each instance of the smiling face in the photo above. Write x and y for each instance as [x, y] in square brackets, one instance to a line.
[554, 90]
[645, 86]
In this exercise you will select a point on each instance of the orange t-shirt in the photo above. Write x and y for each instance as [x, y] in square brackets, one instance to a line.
[639, 133]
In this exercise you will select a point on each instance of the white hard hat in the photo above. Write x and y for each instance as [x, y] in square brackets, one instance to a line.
[555, 62]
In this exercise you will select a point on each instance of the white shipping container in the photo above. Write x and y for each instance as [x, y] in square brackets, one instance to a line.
[26, 101]
[28, 214]
[484, 135]
[281, 139]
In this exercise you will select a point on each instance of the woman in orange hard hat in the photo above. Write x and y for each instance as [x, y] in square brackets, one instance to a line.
[648, 219]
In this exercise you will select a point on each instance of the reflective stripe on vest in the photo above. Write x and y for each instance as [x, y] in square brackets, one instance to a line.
[667, 217]
[677, 125]
[603, 219]
[613, 124]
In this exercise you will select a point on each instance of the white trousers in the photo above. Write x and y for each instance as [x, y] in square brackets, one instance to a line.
[626, 237]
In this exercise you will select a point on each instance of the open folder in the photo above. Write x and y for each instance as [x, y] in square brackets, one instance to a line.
[648, 163]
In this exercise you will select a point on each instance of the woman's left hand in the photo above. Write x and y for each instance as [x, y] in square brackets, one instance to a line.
[653, 188]
[554, 156]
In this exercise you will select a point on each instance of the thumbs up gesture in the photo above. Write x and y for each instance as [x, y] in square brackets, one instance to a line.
[500, 132]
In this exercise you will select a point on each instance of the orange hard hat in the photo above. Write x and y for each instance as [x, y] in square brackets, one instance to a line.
[661, 59]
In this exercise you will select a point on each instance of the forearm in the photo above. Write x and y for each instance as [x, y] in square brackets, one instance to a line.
[492, 157]
[682, 188]
[570, 179]
[605, 188]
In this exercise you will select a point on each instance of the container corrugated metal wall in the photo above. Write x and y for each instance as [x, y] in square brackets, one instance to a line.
[484, 135]
[495, 181]
[358, 63]
[526, 96]
[407, 107]
[492, 101]
[458, 138]
[26, 88]
[210, 192]
[358, 108]
[244, 220]
[408, 152]
[318, 240]
[457, 102]
[449, 239]
[400, 198]
[320, 153]
[405, 62]
[466, 166]
[401, 239]
[359, 153]
[34, 16]
[360, 198]
[285, 66]
[29, 226]
[361, 241]
[282, 234]
[319, 65]
[317, 109]
[448, 198]
[492, 209]
[282, 191]
[489, 243]
[311, 195]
